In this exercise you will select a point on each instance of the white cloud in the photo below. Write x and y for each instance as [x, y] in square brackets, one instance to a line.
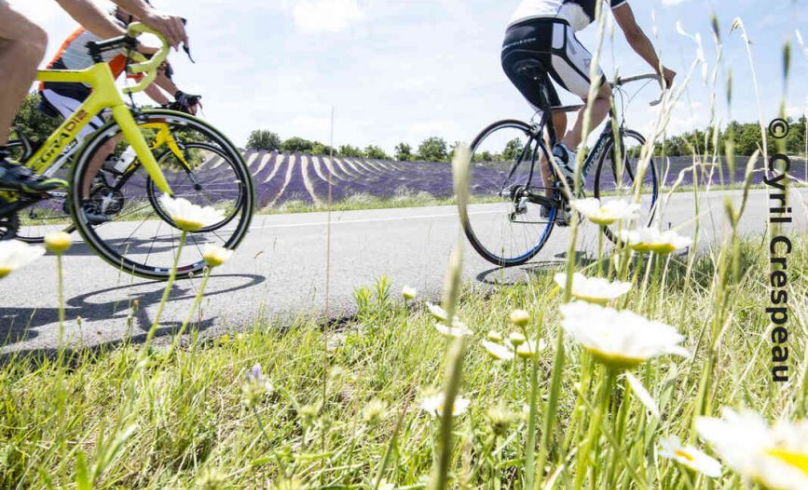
[669, 3]
[326, 15]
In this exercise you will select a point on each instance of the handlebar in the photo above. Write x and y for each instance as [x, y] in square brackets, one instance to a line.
[619, 81]
[146, 66]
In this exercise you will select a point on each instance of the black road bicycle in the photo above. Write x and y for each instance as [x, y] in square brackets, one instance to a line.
[514, 207]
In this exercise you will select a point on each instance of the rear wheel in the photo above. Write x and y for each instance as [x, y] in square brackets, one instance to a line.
[140, 237]
[503, 223]
[621, 177]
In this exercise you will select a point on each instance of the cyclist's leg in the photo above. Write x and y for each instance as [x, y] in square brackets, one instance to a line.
[570, 68]
[22, 47]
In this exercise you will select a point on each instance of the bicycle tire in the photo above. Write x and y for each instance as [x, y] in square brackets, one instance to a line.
[129, 254]
[475, 230]
[153, 191]
[33, 221]
[606, 178]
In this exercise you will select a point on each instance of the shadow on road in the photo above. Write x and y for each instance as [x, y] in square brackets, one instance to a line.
[510, 276]
[117, 304]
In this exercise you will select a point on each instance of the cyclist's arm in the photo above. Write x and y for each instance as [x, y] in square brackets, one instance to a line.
[171, 26]
[639, 42]
[92, 18]
[156, 94]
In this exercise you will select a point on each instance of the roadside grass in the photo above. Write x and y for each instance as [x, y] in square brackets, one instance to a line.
[188, 417]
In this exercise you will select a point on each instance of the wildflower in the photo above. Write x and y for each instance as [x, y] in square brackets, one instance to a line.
[498, 351]
[620, 339]
[188, 216]
[374, 412]
[215, 255]
[516, 339]
[409, 293]
[211, 479]
[643, 395]
[530, 349]
[57, 242]
[593, 289]
[500, 418]
[256, 387]
[606, 214]
[437, 312]
[520, 318]
[495, 336]
[776, 458]
[457, 330]
[433, 405]
[15, 254]
[652, 240]
[689, 456]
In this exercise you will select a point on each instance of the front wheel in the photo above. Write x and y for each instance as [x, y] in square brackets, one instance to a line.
[139, 237]
[502, 221]
[622, 175]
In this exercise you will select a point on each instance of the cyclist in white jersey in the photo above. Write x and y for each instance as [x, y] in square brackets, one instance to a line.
[545, 30]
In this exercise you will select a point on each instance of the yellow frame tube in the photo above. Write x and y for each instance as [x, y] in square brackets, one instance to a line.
[105, 95]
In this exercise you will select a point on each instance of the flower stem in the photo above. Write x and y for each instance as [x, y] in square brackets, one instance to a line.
[197, 301]
[171, 277]
[604, 391]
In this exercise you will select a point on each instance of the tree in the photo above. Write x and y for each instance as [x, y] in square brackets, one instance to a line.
[404, 152]
[376, 153]
[297, 145]
[433, 149]
[513, 150]
[263, 140]
[349, 151]
[319, 149]
[35, 125]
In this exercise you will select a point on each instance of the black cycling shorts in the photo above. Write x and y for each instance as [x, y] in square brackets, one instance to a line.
[551, 41]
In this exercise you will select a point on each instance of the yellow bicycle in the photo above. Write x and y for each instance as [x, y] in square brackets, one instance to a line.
[176, 154]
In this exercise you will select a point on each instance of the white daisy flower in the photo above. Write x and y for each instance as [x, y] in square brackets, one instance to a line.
[409, 293]
[434, 405]
[530, 349]
[607, 214]
[593, 289]
[457, 330]
[776, 458]
[498, 351]
[689, 456]
[188, 216]
[620, 339]
[15, 254]
[643, 395]
[437, 312]
[215, 255]
[652, 240]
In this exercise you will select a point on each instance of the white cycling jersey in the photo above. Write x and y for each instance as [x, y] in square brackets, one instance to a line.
[579, 13]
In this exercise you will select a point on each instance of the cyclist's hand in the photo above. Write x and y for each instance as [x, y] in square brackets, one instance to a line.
[668, 75]
[171, 26]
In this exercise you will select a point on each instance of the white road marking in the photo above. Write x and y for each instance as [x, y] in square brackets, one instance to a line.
[365, 220]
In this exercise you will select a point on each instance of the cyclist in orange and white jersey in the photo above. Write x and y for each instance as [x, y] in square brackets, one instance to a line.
[22, 47]
[63, 99]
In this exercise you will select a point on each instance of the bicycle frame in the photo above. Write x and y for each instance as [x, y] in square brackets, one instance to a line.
[105, 95]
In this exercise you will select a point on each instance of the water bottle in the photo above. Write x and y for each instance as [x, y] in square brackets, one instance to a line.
[126, 159]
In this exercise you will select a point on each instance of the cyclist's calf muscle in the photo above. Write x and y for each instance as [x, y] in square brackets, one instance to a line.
[22, 47]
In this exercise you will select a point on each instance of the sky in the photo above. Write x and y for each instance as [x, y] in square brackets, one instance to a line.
[401, 71]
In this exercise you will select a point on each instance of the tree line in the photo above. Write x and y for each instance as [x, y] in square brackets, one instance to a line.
[433, 149]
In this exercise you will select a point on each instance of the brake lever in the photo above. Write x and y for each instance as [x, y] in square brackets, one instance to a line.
[188, 53]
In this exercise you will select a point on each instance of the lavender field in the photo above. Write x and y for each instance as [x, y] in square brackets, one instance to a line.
[281, 178]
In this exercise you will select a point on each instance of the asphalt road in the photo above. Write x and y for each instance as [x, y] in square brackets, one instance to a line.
[278, 274]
